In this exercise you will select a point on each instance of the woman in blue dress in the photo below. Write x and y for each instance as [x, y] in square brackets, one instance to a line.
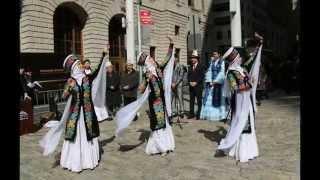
[214, 104]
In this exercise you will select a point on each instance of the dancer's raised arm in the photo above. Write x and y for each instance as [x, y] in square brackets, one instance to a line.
[163, 63]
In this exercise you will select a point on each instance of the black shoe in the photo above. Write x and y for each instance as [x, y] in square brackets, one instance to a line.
[219, 153]
[181, 116]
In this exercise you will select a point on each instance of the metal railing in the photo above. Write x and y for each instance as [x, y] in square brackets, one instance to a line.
[43, 97]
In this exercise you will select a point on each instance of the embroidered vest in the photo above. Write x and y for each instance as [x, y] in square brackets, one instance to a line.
[156, 104]
[81, 97]
[242, 82]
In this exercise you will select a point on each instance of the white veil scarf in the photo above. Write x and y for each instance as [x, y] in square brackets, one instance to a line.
[98, 92]
[126, 114]
[254, 74]
[167, 81]
[240, 117]
[51, 140]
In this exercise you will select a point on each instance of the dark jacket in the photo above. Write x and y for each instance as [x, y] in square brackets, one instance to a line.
[30, 91]
[196, 75]
[131, 80]
[113, 95]
[23, 86]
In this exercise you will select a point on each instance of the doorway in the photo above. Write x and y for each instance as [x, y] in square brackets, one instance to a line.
[117, 48]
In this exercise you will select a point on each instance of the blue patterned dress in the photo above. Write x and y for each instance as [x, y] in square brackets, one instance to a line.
[214, 106]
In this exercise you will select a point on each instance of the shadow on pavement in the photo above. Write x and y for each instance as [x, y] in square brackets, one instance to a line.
[126, 148]
[107, 141]
[57, 160]
[214, 136]
[142, 138]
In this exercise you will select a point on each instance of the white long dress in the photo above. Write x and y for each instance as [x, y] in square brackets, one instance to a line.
[161, 141]
[242, 146]
[80, 154]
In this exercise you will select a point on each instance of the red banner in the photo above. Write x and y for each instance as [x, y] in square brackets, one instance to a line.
[145, 17]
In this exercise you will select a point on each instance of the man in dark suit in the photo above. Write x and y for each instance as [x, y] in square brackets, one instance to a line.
[129, 85]
[195, 78]
[113, 94]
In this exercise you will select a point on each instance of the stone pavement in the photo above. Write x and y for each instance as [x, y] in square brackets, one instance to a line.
[278, 133]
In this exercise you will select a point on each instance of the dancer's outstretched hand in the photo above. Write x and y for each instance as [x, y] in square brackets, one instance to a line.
[26, 97]
[104, 51]
[141, 88]
[170, 39]
[256, 35]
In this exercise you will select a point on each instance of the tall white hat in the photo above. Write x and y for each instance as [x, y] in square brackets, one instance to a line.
[195, 54]
[230, 54]
[70, 62]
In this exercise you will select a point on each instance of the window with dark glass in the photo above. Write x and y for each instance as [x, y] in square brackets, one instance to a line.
[117, 37]
[219, 35]
[67, 33]
[221, 7]
[176, 30]
[177, 54]
[254, 14]
[222, 20]
[242, 21]
[191, 3]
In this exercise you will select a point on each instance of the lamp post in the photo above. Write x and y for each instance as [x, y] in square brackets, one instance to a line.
[130, 31]
[139, 38]
[235, 18]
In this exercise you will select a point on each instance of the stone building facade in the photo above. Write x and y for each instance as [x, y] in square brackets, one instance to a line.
[59, 27]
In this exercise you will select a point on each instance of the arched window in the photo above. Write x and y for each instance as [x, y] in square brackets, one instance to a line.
[117, 48]
[117, 36]
[67, 31]
[191, 3]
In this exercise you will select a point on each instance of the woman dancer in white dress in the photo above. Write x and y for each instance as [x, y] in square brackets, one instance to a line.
[157, 88]
[84, 109]
[240, 141]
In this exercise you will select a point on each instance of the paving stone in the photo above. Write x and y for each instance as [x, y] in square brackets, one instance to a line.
[278, 134]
